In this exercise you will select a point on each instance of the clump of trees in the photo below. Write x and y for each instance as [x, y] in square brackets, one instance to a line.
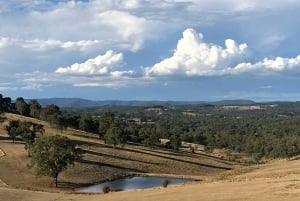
[26, 130]
[111, 130]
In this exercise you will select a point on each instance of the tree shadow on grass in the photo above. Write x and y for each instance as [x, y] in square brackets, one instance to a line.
[8, 139]
[159, 155]
[186, 154]
[69, 185]
[177, 159]
[116, 157]
[90, 162]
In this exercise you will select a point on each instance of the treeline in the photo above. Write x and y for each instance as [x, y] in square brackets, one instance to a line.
[113, 127]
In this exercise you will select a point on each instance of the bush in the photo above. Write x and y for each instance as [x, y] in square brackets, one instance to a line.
[106, 189]
[165, 183]
[192, 149]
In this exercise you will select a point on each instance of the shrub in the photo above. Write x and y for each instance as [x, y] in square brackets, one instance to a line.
[192, 149]
[165, 183]
[106, 189]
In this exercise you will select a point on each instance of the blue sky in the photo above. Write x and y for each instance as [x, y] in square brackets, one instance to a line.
[150, 49]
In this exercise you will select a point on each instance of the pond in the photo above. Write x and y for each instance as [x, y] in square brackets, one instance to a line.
[132, 183]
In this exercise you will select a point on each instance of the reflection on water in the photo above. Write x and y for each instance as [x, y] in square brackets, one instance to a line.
[132, 183]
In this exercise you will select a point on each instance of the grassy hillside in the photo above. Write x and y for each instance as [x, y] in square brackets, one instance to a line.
[101, 162]
[278, 180]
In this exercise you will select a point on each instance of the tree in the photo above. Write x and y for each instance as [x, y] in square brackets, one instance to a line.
[51, 114]
[149, 135]
[12, 129]
[27, 130]
[60, 123]
[105, 123]
[115, 135]
[34, 109]
[5, 104]
[22, 107]
[175, 142]
[52, 154]
[86, 123]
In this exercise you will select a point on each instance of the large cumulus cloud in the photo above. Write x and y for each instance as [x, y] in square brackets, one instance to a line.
[194, 57]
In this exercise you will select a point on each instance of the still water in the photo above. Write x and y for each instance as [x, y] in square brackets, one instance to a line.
[132, 183]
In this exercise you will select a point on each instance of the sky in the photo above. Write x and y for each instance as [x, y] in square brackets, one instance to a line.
[193, 50]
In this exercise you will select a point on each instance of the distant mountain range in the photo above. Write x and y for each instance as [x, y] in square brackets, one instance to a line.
[83, 103]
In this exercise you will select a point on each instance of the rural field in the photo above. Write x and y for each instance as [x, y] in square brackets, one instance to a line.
[219, 179]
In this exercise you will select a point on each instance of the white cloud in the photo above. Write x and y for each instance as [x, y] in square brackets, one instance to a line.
[92, 20]
[45, 45]
[266, 87]
[4, 42]
[7, 87]
[101, 71]
[129, 27]
[116, 79]
[194, 57]
[265, 67]
[100, 65]
[273, 39]
[245, 5]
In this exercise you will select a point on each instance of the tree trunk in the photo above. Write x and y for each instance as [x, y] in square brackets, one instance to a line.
[56, 180]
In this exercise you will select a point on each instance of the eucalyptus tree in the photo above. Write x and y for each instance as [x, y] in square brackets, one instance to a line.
[22, 107]
[52, 154]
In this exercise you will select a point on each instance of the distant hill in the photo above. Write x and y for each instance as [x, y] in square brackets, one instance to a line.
[68, 102]
[234, 102]
[83, 103]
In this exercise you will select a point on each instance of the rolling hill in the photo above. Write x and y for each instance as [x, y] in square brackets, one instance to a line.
[83, 103]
